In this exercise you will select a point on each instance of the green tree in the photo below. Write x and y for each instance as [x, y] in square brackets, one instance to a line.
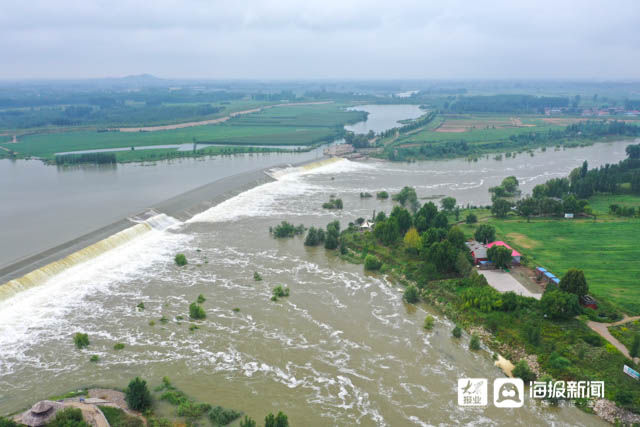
[485, 233]
[501, 208]
[402, 217]
[428, 322]
[474, 343]
[448, 203]
[333, 232]
[500, 256]
[574, 282]
[510, 184]
[471, 218]
[558, 304]
[526, 207]
[443, 255]
[425, 216]
[456, 237]
[280, 420]
[411, 294]
[247, 422]
[407, 197]
[412, 241]
[137, 395]
[440, 221]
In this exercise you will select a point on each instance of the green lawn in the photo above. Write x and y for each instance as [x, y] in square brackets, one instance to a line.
[607, 251]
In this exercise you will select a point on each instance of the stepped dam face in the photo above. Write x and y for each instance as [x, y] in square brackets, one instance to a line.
[342, 349]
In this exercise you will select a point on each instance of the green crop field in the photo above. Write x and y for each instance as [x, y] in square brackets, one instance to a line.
[607, 251]
[295, 125]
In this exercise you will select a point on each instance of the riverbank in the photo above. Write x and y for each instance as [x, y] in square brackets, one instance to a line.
[513, 336]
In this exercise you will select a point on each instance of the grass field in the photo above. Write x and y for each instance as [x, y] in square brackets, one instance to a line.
[295, 125]
[607, 251]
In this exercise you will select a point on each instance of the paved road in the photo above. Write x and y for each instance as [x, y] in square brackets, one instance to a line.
[505, 282]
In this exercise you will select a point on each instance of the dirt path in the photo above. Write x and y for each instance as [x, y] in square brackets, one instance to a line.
[215, 121]
[602, 329]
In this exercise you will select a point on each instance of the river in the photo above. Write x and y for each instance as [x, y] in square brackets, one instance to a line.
[342, 349]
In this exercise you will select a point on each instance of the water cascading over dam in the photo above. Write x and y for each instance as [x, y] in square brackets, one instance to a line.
[41, 275]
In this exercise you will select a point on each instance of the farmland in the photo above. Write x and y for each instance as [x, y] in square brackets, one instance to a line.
[461, 135]
[287, 125]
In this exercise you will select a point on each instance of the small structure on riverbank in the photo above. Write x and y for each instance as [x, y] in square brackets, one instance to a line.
[40, 413]
[339, 150]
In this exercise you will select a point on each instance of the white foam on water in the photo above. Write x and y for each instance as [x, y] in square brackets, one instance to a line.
[269, 199]
[50, 310]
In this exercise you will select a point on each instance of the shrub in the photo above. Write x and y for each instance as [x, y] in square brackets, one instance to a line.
[279, 420]
[94, 358]
[509, 301]
[279, 292]
[471, 218]
[365, 195]
[484, 298]
[474, 344]
[523, 371]
[180, 260]
[81, 340]
[558, 362]
[6, 422]
[371, 263]
[118, 346]
[256, 276]
[220, 416]
[456, 332]
[382, 195]
[623, 397]
[593, 340]
[68, 417]
[411, 294]
[428, 322]
[196, 311]
[286, 229]
[247, 422]
[137, 395]
[333, 204]
[163, 319]
[201, 299]
[140, 306]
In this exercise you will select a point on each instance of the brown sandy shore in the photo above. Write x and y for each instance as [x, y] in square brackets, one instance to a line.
[215, 121]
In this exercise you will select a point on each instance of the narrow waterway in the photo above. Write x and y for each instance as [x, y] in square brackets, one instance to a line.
[342, 349]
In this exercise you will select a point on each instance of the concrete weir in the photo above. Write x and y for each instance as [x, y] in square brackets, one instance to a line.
[34, 270]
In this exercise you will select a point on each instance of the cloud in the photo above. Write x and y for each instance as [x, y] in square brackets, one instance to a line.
[320, 39]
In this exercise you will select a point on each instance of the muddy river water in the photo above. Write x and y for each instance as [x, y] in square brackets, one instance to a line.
[342, 349]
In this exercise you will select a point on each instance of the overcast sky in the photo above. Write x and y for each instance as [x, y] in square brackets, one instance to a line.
[592, 39]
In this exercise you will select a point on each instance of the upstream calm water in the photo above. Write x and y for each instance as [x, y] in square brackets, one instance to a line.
[343, 349]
